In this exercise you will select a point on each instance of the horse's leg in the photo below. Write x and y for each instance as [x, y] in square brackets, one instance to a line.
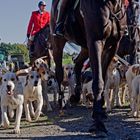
[58, 54]
[132, 59]
[95, 53]
[82, 57]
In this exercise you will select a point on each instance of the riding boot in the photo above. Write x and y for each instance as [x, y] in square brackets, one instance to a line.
[31, 51]
[62, 13]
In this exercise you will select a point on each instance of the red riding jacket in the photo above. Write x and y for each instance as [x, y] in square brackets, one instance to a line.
[37, 22]
[126, 3]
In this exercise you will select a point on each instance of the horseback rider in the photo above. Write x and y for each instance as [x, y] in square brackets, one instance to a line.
[39, 19]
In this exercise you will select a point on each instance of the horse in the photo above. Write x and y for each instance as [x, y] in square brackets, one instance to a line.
[41, 45]
[96, 26]
[129, 42]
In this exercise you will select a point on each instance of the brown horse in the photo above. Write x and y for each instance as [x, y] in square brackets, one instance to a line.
[129, 42]
[40, 44]
[96, 26]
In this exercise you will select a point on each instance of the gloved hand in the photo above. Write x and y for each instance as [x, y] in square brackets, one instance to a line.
[28, 35]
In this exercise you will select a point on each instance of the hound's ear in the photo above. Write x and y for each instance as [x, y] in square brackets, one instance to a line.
[37, 70]
[33, 67]
[27, 77]
[45, 59]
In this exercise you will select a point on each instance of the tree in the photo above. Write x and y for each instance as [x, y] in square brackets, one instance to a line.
[15, 48]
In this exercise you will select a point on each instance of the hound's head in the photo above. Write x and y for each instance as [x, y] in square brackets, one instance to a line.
[51, 81]
[9, 81]
[123, 69]
[42, 67]
[68, 70]
[33, 79]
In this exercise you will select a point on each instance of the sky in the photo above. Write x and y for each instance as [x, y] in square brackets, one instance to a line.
[14, 18]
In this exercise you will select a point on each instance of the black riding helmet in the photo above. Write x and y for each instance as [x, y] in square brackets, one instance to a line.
[41, 3]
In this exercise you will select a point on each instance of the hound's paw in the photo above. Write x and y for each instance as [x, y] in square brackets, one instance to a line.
[6, 125]
[61, 113]
[37, 115]
[28, 119]
[33, 115]
[108, 110]
[16, 131]
[131, 114]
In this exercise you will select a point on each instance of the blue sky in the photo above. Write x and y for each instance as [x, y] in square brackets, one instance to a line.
[14, 18]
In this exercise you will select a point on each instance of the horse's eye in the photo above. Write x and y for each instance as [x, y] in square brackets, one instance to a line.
[37, 76]
[12, 79]
[5, 80]
[32, 77]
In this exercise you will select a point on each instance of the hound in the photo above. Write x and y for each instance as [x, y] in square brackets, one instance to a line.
[69, 79]
[11, 98]
[87, 91]
[135, 97]
[132, 72]
[33, 92]
[113, 83]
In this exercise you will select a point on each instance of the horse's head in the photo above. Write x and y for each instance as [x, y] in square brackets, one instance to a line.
[133, 12]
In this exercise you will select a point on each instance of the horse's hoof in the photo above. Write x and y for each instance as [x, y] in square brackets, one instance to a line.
[99, 134]
[98, 128]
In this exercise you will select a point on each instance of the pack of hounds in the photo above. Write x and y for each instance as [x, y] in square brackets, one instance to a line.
[26, 90]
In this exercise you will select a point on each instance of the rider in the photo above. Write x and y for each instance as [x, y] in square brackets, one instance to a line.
[62, 13]
[38, 21]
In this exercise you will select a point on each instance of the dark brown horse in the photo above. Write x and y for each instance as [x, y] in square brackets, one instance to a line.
[129, 42]
[96, 25]
[40, 44]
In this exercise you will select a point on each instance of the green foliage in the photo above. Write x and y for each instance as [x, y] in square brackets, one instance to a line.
[15, 48]
[67, 59]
